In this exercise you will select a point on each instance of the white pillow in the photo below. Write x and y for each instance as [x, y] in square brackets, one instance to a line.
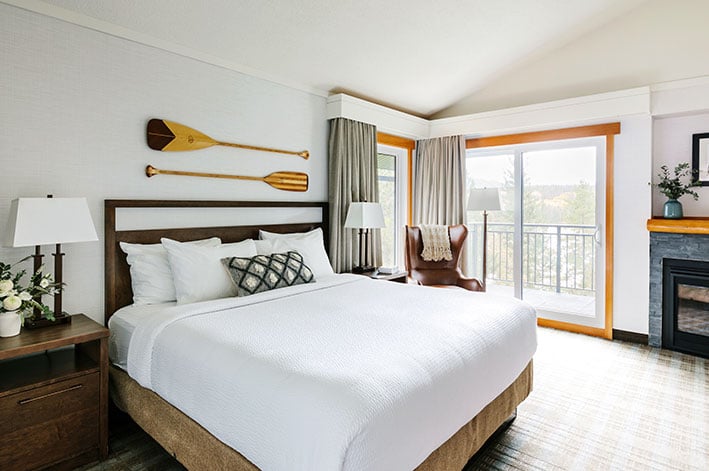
[198, 271]
[150, 275]
[309, 244]
[264, 247]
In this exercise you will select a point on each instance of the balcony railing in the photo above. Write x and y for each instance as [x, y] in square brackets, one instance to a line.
[555, 257]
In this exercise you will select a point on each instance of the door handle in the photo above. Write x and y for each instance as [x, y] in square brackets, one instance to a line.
[597, 235]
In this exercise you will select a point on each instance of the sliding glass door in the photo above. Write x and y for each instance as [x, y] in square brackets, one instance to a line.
[545, 246]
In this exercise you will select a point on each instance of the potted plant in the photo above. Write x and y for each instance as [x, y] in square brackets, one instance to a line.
[673, 189]
[18, 301]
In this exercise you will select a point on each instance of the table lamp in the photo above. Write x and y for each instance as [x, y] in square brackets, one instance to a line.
[42, 221]
[484, 199]
[364, 216]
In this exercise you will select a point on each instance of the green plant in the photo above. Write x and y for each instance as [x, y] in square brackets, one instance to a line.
[672, 187]
[23, 299]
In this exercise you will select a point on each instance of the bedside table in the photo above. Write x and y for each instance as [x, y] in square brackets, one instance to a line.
[399, 277]
[54, 396]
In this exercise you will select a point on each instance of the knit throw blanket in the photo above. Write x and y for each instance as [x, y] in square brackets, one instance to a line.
[436, 244]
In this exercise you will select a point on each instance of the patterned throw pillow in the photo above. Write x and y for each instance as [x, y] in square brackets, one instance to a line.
[267, 272]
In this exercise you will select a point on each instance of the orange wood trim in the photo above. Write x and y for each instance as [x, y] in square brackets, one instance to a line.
[410, 188]
[610, 149]
[409, 145]
[607, 129]
[689, 225]
[576, 328]
[395, 141]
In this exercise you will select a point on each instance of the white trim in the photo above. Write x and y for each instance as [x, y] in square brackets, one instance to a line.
[385, 119]
[579, 110]
[79, 19]
[680, 97]
[682, 83]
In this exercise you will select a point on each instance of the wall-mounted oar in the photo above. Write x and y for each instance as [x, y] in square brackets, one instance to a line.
[288, 181]
[170, 136]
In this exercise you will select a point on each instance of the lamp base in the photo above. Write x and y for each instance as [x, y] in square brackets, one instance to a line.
[59, 319]
[360, 270]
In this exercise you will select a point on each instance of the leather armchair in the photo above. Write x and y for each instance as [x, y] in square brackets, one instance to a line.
[444, 273]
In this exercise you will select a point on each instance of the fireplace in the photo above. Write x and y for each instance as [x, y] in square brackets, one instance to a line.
[684, 245]
[685, 306]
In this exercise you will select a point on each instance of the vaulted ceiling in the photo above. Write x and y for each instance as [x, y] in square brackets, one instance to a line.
[418, 56]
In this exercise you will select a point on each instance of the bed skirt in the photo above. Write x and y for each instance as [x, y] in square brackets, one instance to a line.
[196, 449]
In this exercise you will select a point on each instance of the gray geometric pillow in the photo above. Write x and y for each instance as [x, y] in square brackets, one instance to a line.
[267, 272]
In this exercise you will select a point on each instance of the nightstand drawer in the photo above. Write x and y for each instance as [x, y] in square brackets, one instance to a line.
[49, 443]
[46, 403]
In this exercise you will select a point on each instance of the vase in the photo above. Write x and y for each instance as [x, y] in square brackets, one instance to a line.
[10, 323]
[672, 209]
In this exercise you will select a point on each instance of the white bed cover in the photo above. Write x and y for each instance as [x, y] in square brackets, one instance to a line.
[344, 374]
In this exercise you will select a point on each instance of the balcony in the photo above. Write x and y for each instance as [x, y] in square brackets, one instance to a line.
[558, 264]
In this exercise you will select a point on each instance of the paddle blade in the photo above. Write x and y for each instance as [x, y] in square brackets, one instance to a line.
[168, 136]
[288, 181]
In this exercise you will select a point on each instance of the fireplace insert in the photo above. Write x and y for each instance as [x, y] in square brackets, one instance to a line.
[685, 306]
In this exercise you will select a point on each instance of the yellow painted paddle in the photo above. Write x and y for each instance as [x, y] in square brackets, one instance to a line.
[169, 136]
[288, 181]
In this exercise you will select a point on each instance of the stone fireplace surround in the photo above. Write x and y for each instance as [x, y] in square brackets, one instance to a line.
[684, 239]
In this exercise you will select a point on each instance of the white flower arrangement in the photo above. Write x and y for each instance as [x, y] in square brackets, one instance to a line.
[23, 299]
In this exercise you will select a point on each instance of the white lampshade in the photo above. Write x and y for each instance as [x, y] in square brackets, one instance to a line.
[41, 221]
[484, 199]
[364, 216]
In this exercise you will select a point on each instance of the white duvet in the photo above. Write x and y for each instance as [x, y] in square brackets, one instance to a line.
[344, 374]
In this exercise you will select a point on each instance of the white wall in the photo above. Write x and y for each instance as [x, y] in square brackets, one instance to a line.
[73, 109]
[672, 144]
[631, 243]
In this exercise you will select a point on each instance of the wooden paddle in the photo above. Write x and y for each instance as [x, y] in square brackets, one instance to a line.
[167, 135]
[288, 181]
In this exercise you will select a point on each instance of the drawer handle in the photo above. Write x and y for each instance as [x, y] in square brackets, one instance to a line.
[44, 396]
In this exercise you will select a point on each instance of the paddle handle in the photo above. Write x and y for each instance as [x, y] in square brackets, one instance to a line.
[304, 154]
[151, 171]
[288, 181]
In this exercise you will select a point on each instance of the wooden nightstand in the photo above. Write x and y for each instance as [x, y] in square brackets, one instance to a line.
[399, 277]
[54, 396]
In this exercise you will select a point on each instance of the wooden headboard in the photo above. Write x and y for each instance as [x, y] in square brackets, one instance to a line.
[117, 272]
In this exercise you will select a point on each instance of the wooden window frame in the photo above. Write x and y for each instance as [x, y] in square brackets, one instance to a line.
[607, 130]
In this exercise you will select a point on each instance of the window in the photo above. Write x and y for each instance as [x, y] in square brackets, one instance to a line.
[552, 242]
[392, 173]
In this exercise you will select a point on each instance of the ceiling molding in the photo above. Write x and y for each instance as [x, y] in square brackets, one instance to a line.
[68, 16]
[580, 110]
[385, 119]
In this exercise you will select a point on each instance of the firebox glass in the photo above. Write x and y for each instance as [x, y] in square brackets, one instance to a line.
[693, 309]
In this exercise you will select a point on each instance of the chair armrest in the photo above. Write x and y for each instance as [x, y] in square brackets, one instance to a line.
[471, 284]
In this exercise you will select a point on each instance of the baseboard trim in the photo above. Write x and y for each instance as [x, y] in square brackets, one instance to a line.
[632, 337]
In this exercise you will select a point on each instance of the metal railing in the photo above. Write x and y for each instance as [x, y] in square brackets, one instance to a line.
[555, 257]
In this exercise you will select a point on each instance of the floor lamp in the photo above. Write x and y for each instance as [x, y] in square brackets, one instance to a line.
[364, 216]
[484, 199]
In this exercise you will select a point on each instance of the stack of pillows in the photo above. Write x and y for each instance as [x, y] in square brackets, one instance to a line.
[201, 270]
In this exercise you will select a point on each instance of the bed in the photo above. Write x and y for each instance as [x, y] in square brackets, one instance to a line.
[344, 373]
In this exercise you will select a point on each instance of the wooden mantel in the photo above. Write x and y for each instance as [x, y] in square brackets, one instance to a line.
[689, 225]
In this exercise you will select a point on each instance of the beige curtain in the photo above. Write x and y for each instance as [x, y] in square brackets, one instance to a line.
[439, 183]
[352, 178]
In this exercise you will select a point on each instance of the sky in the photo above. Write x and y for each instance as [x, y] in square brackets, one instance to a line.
[542, 167]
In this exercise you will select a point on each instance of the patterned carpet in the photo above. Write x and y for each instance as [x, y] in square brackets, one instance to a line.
[596, 405]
